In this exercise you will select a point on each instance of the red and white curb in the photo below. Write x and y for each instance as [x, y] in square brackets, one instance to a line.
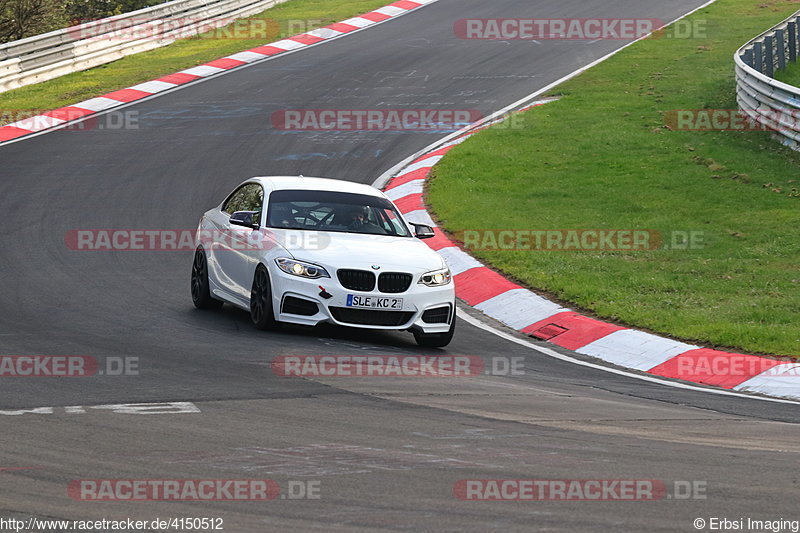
[64, 115]
[527, 312]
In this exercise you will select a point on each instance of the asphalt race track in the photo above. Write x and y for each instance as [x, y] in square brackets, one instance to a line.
[387, 452]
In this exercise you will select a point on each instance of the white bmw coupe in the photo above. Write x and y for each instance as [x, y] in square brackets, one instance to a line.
[311, 250]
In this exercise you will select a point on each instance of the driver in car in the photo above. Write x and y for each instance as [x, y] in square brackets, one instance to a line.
[280, 215]
[358, 220]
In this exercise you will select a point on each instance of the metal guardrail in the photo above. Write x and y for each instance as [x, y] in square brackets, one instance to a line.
[43, 57]
[769, 102]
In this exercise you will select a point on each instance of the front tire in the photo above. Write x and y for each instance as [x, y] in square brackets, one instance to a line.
[436, 340]
[201, 290]
[261, 313]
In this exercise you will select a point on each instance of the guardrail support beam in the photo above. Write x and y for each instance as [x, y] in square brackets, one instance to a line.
[747, 57]
[769, 56]
[758, 57]
[791, 30]
[780, 43]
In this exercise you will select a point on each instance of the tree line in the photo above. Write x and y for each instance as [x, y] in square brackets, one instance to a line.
[24, 18]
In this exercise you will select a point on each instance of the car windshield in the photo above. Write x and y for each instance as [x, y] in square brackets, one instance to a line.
[334, 211]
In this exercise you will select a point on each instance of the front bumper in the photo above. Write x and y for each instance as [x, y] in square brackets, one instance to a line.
[416, 301]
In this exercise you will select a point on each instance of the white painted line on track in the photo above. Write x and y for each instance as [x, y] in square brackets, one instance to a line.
[159, 408]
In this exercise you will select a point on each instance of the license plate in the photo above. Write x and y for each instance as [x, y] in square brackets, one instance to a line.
[374, 302]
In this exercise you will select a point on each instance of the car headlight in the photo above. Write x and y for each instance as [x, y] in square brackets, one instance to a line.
[436, 278]
[301, 268]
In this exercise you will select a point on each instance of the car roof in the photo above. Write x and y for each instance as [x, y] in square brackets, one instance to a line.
[277, 183]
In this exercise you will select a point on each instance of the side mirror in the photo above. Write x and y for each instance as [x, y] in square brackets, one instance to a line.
[423, 231]
[244, 219]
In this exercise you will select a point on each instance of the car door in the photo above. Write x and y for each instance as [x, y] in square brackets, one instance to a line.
[232, 250]
[246, 243]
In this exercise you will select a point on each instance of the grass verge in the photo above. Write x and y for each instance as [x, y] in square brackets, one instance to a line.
[602, 157]
[790, 75]
[285, 20]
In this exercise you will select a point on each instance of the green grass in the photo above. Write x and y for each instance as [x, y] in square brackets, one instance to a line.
[183, 54]
[790, 75]
[601, 157]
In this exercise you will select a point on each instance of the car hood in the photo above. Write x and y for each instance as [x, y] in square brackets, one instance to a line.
[349, 250]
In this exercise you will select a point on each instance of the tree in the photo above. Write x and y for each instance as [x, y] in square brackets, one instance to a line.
[80, 11]
[23, 18]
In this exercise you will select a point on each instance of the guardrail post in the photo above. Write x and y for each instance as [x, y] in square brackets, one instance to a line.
[747, 57]
[758, 57]
[780, 43]
[791, 30]
[796, 31]
[769, 56]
